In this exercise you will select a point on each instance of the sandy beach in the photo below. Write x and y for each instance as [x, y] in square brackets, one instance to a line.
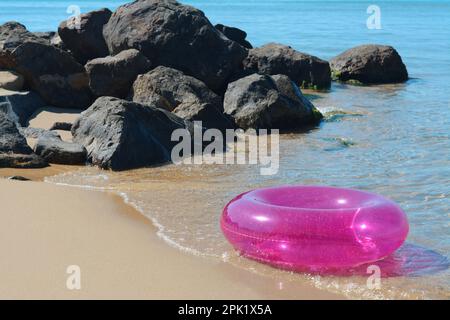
[116, 248]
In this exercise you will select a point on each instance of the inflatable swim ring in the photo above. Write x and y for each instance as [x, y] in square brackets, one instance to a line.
[314, 228]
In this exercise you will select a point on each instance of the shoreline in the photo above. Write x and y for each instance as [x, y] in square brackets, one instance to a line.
[117, 249]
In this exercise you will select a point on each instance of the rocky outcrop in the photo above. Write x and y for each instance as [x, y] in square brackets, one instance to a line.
[54, 150]
[265, 102]
[305, 70]
[120, 134]
[54, 74]
[114, 76]
[84, 37]
[14, 150]
[369, 64]
[177, 36]
[20, 106]
[183, 95]
[235, 34]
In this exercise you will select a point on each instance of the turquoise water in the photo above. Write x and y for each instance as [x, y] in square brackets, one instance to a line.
[393, 139]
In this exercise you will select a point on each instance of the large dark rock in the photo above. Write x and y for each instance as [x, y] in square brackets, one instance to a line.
[12, 35]
[85, 40]
[177, 36]
[14, 150]
[305, 70]
[183, 95]
[369, 64]
[265, 102]
[20, 106]
[120, 134]
[114, 76]
[54, 74]
[54, 150]
[235, 34]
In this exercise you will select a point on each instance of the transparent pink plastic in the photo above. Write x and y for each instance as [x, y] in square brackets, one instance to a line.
[314, 228]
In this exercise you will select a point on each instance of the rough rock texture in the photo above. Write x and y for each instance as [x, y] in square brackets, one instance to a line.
[120, 134]
[54, 74]
[14, 150]
[235, 34]
[85, 40]
[265, 102]
[177, 36]
[305, 70]
[21, 106]
[51, 148]
[10, 80]
[114, 76]
[12, 35]
[369, 64]
[183, 95]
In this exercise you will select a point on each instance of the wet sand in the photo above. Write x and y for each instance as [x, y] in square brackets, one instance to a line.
[45, 228]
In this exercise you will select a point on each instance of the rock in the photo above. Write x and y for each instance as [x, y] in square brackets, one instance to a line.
[18, 178]
[178, 36]
[20, 106]
[183, 95]
[86, 40]
[14, 150]
[12, 35]
[235, 34]
[120, 134]
[369, 64]
[265, 102]
[51, 148]
[305, 70]
[114, 76]
[63, 126]
[10, 80]
[54, 74]
[48, 36]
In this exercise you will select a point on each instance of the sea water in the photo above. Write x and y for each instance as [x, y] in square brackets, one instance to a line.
[389, 139]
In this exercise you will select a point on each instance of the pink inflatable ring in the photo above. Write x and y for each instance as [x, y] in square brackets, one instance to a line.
[314, 228]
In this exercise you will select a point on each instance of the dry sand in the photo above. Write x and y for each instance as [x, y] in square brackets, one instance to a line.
[45, 228]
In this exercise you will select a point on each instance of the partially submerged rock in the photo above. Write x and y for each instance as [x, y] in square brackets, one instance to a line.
[54, 74]
[83, 35]
[183, 95]
[265, 102]
[120, 134]
[369, 64]
[20, 106]
[114, 76]
[235, 34]
[305, 70]
[14, 150]
[53, 149]
[177, 36]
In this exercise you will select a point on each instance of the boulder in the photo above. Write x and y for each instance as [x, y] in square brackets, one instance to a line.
[54, 150]
[120, 134]
[20, 106]
[114, 76]
[369, 64]
[266, 102]
[12, 35]
[183, 95]
[177, 36]
[85, 40]
[54, 74]
[14, 150]
[10, 80]
[305, 70]
[235, 34]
